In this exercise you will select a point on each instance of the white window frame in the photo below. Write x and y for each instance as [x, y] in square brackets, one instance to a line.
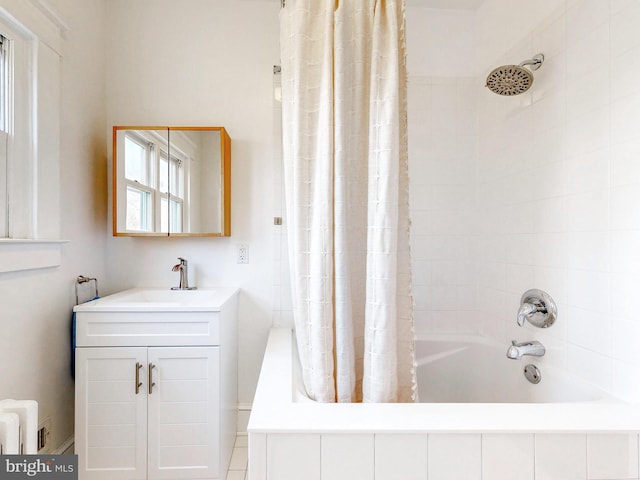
[157, 149]
[20, 168]
[176, 197]
[148, 185]
[33, 241]
[5, 114]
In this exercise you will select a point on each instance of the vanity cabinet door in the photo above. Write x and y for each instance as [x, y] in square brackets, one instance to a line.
[111, 413]
[184, 413]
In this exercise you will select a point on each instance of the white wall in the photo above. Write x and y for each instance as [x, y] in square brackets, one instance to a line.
[440, 43]
[558, 176]
[223, 56]
[203, 62]
[555, 182]
[500, 24]
[442, 159]
[36, 304]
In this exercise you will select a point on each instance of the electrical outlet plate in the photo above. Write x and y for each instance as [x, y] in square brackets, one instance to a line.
[44, 430]
[243, 253]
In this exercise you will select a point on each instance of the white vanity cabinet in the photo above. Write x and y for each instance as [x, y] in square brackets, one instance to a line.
[155, 390]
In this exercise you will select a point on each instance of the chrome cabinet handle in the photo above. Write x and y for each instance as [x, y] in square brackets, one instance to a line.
[151, 382]
[138, 382]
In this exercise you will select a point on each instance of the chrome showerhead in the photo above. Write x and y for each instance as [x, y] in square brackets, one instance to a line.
[511, 80]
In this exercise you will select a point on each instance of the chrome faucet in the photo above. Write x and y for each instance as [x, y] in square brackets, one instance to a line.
[518, 350]
[538, 308]
[524, 311]
[183, 268]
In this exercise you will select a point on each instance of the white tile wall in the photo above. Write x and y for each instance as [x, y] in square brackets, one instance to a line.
[542, 456]
[612, 457]
[561, 457]
[442, 156]
[400, 456]
[257, 462]
[455, 457]
[347, 456]
[539, 190]
[507, 456]
[292, 457]
[568, 212]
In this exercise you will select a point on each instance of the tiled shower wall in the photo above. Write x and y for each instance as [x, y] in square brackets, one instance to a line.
[559, 192]
[541, 190]
[442, 168]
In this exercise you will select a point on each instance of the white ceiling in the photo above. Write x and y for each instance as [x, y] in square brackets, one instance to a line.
[447, 4]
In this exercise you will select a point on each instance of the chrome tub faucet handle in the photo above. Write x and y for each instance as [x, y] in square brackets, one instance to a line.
[524, 311]
[538, 308]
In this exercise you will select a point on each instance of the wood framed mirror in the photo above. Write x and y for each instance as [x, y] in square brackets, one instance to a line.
[171, 181]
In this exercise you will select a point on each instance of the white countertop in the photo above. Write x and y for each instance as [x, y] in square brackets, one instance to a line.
[208, 299]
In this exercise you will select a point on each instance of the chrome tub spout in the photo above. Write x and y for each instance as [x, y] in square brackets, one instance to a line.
[517, 350]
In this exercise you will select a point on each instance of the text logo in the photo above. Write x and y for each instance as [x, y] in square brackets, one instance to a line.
[50, 467]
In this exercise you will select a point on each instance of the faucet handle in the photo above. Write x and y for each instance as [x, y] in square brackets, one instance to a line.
[538, 308]
[525, 310]
[180, 266]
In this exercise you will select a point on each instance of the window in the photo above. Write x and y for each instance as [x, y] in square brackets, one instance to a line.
[31, 34]
[155, 185]
[4, 83]
[5, 101]
[172, 204]
[140, 191]
[17, 121]
[19, 134]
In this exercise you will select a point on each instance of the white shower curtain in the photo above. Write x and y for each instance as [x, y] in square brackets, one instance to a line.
[346, 184]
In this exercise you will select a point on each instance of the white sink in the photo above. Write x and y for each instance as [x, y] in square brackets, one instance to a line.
[160, 299]
[156, 317]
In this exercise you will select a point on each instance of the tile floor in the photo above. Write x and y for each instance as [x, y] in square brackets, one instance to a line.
[238, 464]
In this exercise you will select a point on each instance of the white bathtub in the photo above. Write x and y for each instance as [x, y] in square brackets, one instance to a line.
[293, 437]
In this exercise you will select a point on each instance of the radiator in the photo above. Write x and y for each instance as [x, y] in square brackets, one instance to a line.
[26, 413]
[9, 433]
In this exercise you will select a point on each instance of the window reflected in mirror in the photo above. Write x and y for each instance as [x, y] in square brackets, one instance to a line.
[171, 181]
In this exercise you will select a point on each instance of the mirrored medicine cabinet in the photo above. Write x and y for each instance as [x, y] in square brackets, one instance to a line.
[171, 181]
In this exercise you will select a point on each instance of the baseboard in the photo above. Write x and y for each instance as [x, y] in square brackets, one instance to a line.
[66, 448]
